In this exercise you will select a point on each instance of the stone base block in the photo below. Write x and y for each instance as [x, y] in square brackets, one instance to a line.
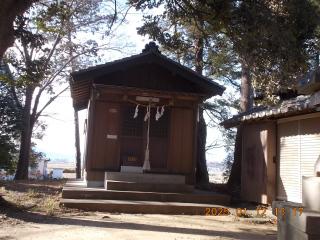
[296, 222]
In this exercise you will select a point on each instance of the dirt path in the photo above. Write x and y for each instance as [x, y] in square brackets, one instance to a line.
[89, 225]
[24, 215]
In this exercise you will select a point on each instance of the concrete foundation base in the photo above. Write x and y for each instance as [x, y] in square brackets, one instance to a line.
[146, 182]
[76, 194]
[145, 178]
[95, 183]
[296, 222]
[131, 169]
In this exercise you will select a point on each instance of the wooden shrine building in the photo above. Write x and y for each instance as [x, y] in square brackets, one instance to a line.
[117, 96]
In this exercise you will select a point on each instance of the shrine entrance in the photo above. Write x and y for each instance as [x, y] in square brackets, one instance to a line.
[134, 138]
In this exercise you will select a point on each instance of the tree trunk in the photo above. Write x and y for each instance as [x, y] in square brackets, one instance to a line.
[25, 141]
[9, 9]
[199, 55]
[235, 174]
[202, 171]
[246, 103]
[77, 145]
[246, 100]
[76, 117]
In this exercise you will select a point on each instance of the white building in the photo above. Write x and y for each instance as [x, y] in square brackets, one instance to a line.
[57, 173]
[41, 171]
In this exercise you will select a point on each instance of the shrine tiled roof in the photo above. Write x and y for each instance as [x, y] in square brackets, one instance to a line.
[293, 106]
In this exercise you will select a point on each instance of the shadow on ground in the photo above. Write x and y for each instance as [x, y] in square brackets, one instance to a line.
[247, 233]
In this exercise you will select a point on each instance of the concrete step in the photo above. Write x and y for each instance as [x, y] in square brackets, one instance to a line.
[197, 196]
[145, 207]
[147, 187]
[144, 178]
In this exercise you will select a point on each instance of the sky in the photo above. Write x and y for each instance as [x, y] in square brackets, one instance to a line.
[59, 141]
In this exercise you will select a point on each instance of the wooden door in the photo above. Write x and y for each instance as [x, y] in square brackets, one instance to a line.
[134, 138]
[159, 133]
[131, 149]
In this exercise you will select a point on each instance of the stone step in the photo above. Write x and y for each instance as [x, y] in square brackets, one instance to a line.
[147, 187]
[197, 196]
[142, 207]
[144, 178]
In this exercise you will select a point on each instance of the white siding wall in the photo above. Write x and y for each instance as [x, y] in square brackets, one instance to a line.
[298, 147]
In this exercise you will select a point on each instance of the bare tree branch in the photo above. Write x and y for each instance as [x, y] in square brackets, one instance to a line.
[49, 102]
[50, 116]
[115, 13]
[58, 39]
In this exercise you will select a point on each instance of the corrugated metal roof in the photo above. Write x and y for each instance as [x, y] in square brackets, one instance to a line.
[298, 105]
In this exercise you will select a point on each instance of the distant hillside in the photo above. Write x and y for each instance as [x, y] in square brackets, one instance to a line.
[57, 156]
[215, 164]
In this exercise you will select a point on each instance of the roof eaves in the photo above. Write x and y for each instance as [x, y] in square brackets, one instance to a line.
[261, 112]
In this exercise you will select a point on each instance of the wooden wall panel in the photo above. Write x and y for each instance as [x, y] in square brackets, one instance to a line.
[254, 162]
[100, 133]
[105, 151]
[164, 77]
[158, 153]
[188, 104]
[170, 86]
[153, 81]
[149, 76]
[135, 77]
[191, 178]
[113, 79]
[91, 123]
[179, 103]
[181, 84]
[126, 78]
[112, 97]
[144, 75]
[182, 141]
[187, 137]
[132, 147]
[112, 124]
[90, 175]
[176, 144]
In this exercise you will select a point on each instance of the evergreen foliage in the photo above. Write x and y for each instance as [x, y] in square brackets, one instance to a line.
[265, 44]
[10, 123]
[275, 39]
